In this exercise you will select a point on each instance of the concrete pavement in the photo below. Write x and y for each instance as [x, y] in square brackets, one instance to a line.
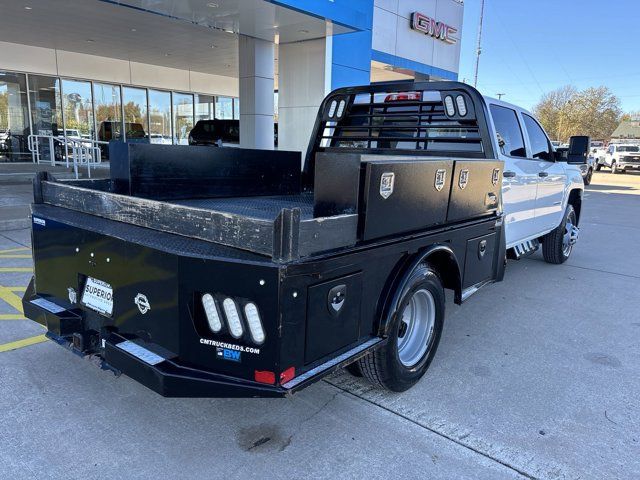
[535, 377]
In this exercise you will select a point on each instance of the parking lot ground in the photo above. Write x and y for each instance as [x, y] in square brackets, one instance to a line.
[535, 377]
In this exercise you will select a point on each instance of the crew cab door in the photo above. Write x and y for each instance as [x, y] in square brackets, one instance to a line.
[520, 176]
[608, 156]
[552, 176]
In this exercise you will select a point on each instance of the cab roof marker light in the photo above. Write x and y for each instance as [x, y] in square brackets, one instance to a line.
[211, 311]
[448, 105]
[255, 325]
[462, 106]
[341, 106]
[233, 319]
[332, 108]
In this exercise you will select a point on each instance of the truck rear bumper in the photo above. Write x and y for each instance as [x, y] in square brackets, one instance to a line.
[166, 376]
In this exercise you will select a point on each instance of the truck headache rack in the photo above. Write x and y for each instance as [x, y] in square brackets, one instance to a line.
[425, 118]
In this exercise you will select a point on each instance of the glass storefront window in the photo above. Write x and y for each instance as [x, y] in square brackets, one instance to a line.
[77, 104]
[224, 108]
[134, 104]
[160, 117]
[108, 111]
[14, 118]
[182, 117]
[236, 108]
[205, 107]
[46, 106]
[46, 113]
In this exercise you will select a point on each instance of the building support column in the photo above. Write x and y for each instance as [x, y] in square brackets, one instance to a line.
[256, 59]
[304, 78]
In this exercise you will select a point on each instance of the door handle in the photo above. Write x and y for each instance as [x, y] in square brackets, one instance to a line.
[508, 174]
[543, 174]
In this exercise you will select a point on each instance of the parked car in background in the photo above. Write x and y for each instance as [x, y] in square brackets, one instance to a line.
[220, 133]
[621, 157]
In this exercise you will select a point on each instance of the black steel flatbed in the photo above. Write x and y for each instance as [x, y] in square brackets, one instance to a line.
[180, 238]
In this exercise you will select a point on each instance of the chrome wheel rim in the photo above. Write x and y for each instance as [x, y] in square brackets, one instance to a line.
[567, 242]
[417, 323]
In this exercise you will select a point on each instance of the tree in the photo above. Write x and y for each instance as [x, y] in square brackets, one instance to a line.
[566, 111]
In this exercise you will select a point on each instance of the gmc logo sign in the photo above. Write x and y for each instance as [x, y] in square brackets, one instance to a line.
[431, 27]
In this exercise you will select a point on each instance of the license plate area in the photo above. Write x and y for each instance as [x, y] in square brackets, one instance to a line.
[98, 296]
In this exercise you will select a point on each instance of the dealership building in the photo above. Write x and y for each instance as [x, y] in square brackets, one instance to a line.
[105, 69]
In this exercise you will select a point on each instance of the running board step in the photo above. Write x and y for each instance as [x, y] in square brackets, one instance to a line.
[336, 362]
[523, 249]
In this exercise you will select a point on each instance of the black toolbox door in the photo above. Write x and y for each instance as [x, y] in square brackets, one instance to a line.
[475, 189]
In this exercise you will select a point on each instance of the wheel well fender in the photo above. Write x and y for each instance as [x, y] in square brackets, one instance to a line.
[441, 259]
[575, 200]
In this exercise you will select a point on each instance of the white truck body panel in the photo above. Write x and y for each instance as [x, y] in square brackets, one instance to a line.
[535, 191]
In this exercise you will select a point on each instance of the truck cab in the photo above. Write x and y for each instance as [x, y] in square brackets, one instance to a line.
[538, 184]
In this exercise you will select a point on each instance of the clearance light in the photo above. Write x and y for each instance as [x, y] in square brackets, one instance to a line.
[287, 375]
[264, 376]
[332, 108]
[341, 108]
[448, 105]
[255, 325]
[233, 319]
[462, 106]
[400, 97]
[211, 311]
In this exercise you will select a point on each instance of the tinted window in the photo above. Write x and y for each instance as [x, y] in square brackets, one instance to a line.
[508, 128]
[538, 139]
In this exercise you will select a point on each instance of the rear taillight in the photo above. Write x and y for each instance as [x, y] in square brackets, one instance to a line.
[287, 375]
[255, 324]
[211, 312]
[264, 376]
[233, 318]
[236, 317]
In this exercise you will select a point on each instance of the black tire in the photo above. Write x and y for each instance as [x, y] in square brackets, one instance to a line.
[588, 178]
[553, 249]
[354, 369]
[598, 167]
[383, 366]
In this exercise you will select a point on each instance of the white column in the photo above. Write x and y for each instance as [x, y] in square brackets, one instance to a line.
[256, 92]
[304, 78]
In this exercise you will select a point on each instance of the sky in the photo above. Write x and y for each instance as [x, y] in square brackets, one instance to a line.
[530, 47]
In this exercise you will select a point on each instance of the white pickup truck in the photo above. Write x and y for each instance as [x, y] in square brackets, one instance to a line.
[542, 193]
[621, 157]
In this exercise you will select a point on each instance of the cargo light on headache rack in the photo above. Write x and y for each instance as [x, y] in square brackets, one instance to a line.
[403, 97]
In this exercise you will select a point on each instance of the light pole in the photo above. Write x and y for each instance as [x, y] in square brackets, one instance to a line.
[479, 48]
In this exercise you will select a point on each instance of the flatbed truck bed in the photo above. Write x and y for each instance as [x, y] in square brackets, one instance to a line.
[227, 272]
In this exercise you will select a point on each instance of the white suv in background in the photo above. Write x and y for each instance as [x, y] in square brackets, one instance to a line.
[542, 194]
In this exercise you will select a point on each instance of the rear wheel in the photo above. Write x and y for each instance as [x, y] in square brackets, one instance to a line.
[598, 167]
[414, 334]
[558, 244]
[588, 177]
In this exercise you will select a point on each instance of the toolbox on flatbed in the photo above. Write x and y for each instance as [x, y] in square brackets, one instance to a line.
[205, 271]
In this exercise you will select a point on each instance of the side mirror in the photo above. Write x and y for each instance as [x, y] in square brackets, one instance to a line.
[578, 148]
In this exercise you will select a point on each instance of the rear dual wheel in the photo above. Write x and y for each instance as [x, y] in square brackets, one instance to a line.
[414, 334]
